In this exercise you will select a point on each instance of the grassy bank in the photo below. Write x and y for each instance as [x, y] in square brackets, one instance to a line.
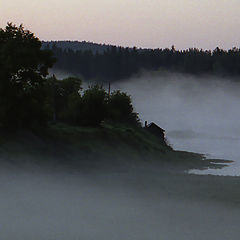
[80, 146]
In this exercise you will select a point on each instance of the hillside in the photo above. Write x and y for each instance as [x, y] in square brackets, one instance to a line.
[77, 46]
[109, 146]
[94, 61]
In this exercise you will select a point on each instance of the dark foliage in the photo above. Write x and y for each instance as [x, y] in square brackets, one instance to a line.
[94, 106]
[65, 103]
[28, 98]
[121, 109]
[62, 98]
[23, 66]
[76, 46]
[114, 63]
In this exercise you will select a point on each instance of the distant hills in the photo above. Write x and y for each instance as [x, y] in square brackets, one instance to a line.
[78, 46]
[92, 61]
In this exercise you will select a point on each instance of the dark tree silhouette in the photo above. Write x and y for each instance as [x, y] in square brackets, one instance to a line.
[121, 108]
[111, 63]
[94, 106]
[23, 66]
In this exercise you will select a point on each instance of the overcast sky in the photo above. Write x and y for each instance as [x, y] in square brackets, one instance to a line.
[142, 23]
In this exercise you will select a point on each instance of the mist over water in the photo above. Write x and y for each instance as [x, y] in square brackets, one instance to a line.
[59, 205]
[136, 202]
[199, 114]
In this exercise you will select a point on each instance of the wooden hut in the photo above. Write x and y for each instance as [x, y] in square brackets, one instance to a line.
[155, 130]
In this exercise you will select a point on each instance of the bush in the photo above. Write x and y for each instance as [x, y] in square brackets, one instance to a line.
[94, 106]
[121, 109]
[62, 97]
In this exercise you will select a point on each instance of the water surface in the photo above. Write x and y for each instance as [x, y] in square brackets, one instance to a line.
[199, 114]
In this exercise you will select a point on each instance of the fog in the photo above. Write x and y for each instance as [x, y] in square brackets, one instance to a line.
[199, 114]
[66, 205]
[136, 202]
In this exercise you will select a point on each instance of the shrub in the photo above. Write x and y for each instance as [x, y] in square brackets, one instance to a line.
[121, 109]
[94, 106]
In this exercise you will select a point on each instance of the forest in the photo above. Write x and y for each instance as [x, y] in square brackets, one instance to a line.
[111, 63]
[30, 98]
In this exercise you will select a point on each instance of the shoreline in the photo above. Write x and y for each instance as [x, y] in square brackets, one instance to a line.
[138, 198]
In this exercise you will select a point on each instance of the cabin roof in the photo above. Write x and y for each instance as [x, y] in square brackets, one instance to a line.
[155, 126]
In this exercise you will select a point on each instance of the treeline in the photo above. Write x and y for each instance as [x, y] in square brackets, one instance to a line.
[114, 63]
[29, 98]
[76, 45]
[67, 102]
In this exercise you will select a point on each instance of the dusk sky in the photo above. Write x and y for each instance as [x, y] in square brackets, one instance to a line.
[142, 23]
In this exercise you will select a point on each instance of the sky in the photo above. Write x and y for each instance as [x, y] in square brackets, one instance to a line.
[142, 23]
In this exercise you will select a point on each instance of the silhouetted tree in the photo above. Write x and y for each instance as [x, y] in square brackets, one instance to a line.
[23, 67]
[121, 109]
[59, 97]
[94, 106]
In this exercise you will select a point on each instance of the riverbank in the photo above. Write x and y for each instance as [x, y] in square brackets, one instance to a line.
[109, 146]
[110, 183]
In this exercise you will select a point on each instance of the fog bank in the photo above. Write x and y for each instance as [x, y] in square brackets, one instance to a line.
[131, 200]
[136, 206]
[199, 114]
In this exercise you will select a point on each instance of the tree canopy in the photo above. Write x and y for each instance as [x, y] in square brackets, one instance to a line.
[29, 98]
[23, 67]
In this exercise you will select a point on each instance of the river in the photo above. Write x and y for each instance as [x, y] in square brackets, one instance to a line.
[199, 114]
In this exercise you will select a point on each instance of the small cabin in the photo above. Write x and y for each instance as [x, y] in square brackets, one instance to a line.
[155, 130]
